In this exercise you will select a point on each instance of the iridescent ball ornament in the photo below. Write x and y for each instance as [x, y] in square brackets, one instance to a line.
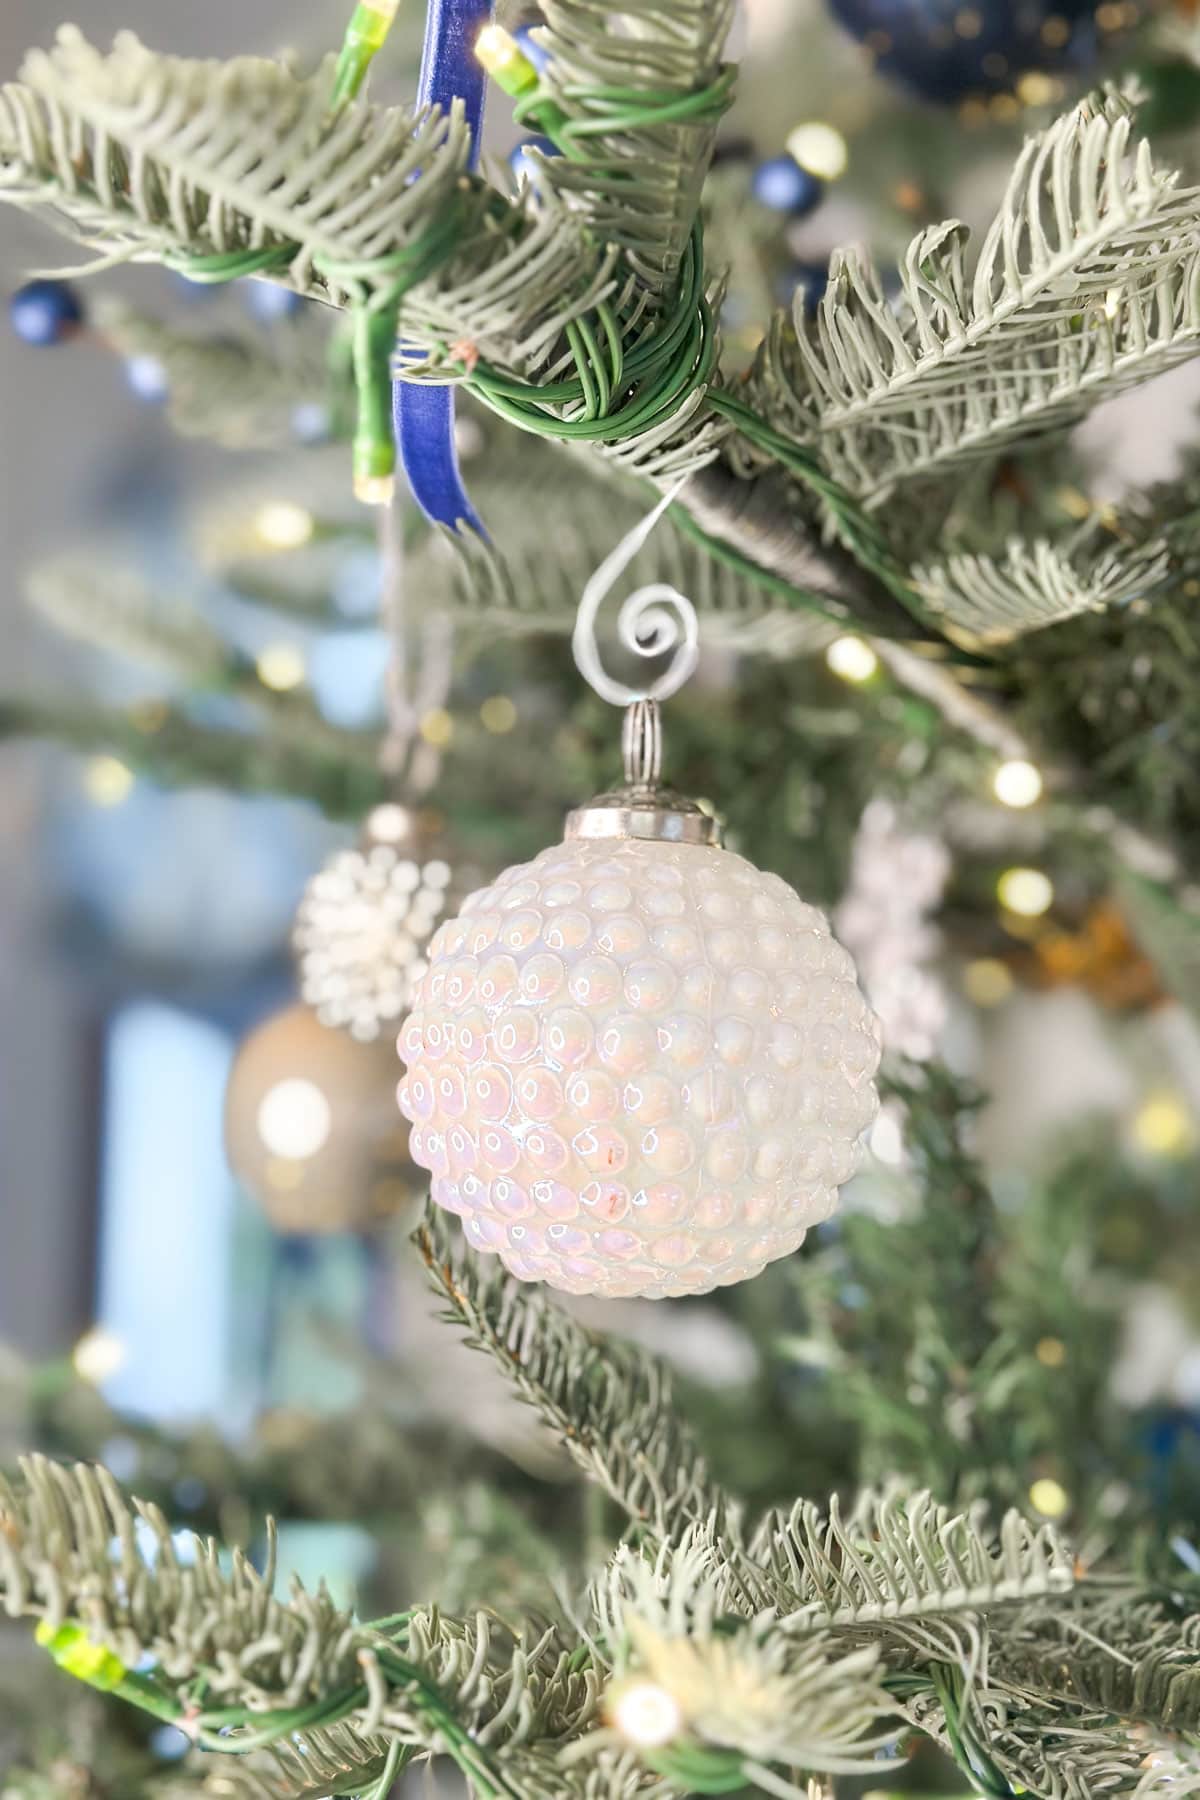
[638, 1064]
[364, 924]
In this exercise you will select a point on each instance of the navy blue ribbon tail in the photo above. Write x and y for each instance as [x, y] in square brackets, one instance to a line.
[424, 415]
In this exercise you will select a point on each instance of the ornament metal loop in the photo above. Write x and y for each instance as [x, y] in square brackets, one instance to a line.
[641, 744]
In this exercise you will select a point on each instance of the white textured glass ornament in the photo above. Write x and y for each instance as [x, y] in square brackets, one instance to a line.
[638, 1064]
[365, 921]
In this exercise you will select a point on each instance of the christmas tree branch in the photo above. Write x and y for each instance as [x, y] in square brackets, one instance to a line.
[515, 300]
[609, 1404]
[979, 358]
[162, 743]
[241, 389]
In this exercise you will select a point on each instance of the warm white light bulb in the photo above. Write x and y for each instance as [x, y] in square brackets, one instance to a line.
[294, 1119]
[107, 781]
[852, 658]
[1026, 892]
[1163, 1126]
[645, 1714]
[819, 148]
[281, 525]
[280, 667]
[1049, 1498]
[1017, 783]
[98, 1355]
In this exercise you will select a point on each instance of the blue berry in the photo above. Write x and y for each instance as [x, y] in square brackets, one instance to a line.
[45, 313]
[805, 281]
[785, 187]
[268, 302]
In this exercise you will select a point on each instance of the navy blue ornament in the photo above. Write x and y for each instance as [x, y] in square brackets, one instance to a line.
[43, 313]
[948, 49]
[785, 187]
[517, 161]
[267, 302]
[805, 281]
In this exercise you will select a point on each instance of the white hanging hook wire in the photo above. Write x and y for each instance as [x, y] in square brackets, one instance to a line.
[653, 621]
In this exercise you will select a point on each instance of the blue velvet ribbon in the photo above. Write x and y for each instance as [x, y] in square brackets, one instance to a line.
[424, 415]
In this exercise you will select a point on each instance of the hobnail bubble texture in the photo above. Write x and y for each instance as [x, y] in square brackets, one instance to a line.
[638, 1068]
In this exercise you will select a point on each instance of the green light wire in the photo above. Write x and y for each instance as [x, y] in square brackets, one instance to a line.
[619, 109]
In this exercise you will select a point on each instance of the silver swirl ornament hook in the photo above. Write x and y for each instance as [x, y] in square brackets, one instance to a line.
[655, 620]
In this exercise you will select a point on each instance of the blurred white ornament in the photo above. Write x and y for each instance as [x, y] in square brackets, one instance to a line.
[638, 1064]
[311, 1129]
[897, 878]
[363, 927]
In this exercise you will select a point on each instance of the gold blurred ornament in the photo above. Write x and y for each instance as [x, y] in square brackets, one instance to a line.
[1099, 954]
[366, 919]
[311, 1130]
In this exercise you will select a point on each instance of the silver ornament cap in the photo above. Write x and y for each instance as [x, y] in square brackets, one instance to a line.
[643, 807]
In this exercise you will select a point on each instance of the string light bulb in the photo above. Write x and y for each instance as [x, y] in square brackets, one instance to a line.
[366, 34]
[819, 148]
[645, 1714]
[1017, 783]
[498, 714]
[505, 61]
[1050, 1498]
[107, 781]
[1163, 1127]
[987, 981]
[437, 727]
[374, 490]
[1027, 892]
[281, 525]
[280, 667]
[852, 658]
[98, 1356]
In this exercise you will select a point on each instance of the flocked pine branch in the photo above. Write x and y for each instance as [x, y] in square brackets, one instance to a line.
[298, 1687]
[241, 389]
[1084, 282]
[1167, 926]
[637, 181]
[523, 589]
[101, 603]
[610, 1404]
[1087, 281]
[1036, 584]
[163, 743]
[155, 158]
